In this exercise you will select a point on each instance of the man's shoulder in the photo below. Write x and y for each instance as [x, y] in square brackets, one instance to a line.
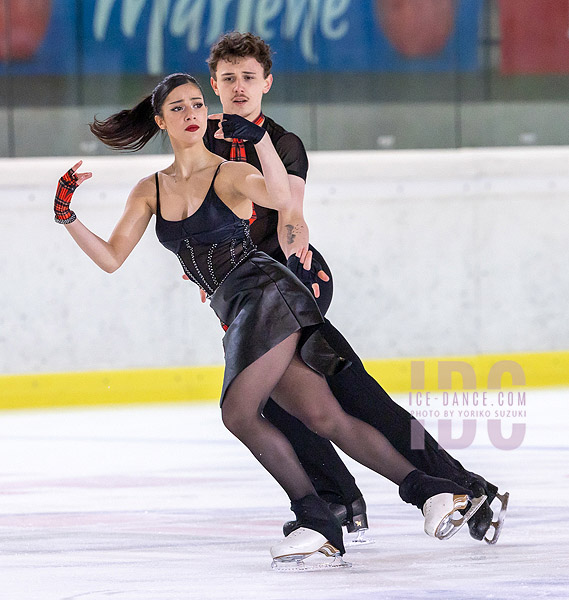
[279, 133]
[275, 128]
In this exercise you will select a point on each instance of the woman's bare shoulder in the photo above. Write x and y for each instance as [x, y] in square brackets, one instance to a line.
[144, 192]
[232, 172]
[146, 186]
[231, 167]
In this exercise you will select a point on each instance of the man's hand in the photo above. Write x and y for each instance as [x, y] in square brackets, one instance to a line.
[203, 296]
[309, 271]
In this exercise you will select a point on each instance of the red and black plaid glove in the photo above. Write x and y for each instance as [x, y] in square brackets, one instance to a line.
[65, 188]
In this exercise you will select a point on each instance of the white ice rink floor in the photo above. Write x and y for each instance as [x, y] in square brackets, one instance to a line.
[161, 503]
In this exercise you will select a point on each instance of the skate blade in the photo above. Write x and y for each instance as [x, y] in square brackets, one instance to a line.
[358, 540]
[311, 562]
[449, 525]
[496, 526]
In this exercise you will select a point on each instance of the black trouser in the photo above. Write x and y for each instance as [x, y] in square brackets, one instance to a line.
[361, 396]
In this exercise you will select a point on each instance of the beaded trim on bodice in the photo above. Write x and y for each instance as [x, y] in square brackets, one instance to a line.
[210, 282]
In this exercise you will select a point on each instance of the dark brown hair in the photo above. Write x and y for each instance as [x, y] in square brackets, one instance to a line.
[240, 45]
[130, 130]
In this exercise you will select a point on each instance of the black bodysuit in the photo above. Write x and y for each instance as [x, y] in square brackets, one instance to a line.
[259, 300]
[210, 243]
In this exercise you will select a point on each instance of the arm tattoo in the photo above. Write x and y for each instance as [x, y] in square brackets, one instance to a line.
[291, 232]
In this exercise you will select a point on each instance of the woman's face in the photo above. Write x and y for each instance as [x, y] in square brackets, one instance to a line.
[184, 113]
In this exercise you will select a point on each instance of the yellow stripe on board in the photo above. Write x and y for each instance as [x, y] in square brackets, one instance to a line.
[110, 387]
[204, 383]
[490, 371]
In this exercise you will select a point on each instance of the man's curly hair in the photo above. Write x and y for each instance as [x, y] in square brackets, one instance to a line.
[236, 45]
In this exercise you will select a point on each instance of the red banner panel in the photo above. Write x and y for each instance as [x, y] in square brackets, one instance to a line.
[23, 24]
[534, 36]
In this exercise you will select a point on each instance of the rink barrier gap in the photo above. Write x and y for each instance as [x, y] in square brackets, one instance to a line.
[199, 384]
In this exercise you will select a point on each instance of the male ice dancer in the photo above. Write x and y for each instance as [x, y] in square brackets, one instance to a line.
[240, 67]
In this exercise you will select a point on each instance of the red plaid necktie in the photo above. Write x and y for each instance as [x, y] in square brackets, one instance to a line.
[238, 147]
[238, 153]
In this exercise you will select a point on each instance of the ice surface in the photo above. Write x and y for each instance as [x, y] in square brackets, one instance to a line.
[162, 503]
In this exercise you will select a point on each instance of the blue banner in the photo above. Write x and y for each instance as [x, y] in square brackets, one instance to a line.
[162, 36]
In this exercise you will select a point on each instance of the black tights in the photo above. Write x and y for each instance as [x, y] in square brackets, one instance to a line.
[281, 374]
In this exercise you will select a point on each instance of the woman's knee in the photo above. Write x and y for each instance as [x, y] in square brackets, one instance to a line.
[323, 422]
[240, 420]
[234, 420]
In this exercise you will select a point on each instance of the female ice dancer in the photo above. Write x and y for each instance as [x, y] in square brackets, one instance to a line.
[272, 342]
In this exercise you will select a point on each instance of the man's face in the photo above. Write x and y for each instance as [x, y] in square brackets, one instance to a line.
[240, 85]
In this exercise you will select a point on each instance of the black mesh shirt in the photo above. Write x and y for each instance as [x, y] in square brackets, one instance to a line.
[291, 151]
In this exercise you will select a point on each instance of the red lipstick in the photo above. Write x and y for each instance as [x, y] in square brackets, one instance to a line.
[192, 128]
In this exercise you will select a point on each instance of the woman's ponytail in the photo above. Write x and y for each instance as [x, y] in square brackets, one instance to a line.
[128, 130]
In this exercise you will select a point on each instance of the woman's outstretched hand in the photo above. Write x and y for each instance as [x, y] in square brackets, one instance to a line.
[66, 186]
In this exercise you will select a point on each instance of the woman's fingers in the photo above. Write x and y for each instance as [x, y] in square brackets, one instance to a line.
[81, 177]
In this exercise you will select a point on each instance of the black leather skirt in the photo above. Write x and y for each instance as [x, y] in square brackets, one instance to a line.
[262, 303]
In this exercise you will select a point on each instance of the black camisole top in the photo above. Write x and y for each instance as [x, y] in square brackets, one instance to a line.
[210, 243]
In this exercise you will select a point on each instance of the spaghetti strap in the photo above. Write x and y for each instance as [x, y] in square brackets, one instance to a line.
[217, 171]
[157, 194]
[209, 192]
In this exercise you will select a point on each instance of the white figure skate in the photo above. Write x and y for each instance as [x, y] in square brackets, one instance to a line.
[352, 517]
[291, 553]
[446, 513]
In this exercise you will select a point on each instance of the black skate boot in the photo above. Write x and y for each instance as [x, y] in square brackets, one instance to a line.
[352, 516]
[446, 505]
[483, 525]
[316, 530]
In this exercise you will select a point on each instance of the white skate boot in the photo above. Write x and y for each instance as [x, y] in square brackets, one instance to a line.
[446, 513]
[290, 554]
